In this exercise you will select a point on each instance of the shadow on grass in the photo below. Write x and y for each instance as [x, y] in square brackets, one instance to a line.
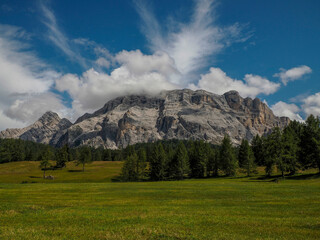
[34, 177]
[74, 170]
[116, 179]
[304, 176]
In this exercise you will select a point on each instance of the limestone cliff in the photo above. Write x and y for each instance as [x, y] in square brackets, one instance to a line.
[177, 114]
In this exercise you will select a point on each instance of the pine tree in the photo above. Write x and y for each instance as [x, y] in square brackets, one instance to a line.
[258, 149]
[310, 139]
[158, 163]
[289, 161]
[273, 150]
[180, 163]
[141, 164]
[129, 169]
[107, 155]
[246, 158]
[227, 157]
[213, 163]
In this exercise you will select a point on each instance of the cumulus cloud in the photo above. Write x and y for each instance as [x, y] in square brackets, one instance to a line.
[137, 74]
[189, 44]
[311, 104]
[292, 74]
[22, 74]
[29, 108]
[283, 109]
[217, 81]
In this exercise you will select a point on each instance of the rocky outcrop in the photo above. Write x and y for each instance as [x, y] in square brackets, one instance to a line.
[48, 129]
[177, 114]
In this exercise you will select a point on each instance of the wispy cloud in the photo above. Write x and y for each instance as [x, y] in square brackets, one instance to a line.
[189, 44]
[23, 76]
[292, 74]
[58, 37]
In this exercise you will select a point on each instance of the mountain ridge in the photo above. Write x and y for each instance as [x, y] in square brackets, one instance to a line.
[180, 114]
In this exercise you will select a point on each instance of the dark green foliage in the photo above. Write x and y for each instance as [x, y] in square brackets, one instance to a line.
[44, 159]
[85, 156]
[213, 164]
[227, 157]
[198, 154]
[290, 147]
[310, 139]
[158, 163]
[134, 166]
[61, 156]
[107, 155]
[142, 164]
[246, 158]
[179, 164]
[129, 169]
[273, 151]
[258, 149]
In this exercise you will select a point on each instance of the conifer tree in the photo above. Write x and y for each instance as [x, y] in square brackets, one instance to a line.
[213, 163]
[141, 164]
[258, 149]
[158, 163]
[273, 150]
[289, 161]
[227, 157]
[310, 142]
[246, 158]
[129, 169]
[180, 162]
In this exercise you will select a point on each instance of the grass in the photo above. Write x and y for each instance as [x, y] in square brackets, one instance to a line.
[220, 208]
[18, 172]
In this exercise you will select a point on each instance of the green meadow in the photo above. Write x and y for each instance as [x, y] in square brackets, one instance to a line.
[88, 205]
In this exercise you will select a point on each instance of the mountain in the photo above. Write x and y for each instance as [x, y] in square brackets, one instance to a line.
[177, 114]
[46, 130]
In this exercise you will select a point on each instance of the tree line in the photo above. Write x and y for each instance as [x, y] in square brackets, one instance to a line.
[296, 147]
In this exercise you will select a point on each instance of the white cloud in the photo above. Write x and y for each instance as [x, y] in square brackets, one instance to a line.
[31, 107]
[22, 75]
[217, 81]
[102, 62]
[189, 44]
[287, 110]
[311, 104]
[137, 74]
[292, 74]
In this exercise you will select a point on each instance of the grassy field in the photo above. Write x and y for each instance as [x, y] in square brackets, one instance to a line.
[89, 206]
[18, 172]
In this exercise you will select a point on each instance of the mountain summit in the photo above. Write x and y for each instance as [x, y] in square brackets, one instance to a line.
[177, 114]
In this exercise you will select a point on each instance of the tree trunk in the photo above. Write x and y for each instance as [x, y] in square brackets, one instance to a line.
[44, 173]
[282, 174]
[83, 167]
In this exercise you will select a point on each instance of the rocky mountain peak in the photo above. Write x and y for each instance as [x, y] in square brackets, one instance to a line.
[49, 117]
[175, 114]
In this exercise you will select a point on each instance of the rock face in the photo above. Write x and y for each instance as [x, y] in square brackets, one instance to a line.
[177, 114]
[47, 129]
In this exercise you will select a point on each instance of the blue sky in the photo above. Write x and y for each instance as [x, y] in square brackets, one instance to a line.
[73, 56]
